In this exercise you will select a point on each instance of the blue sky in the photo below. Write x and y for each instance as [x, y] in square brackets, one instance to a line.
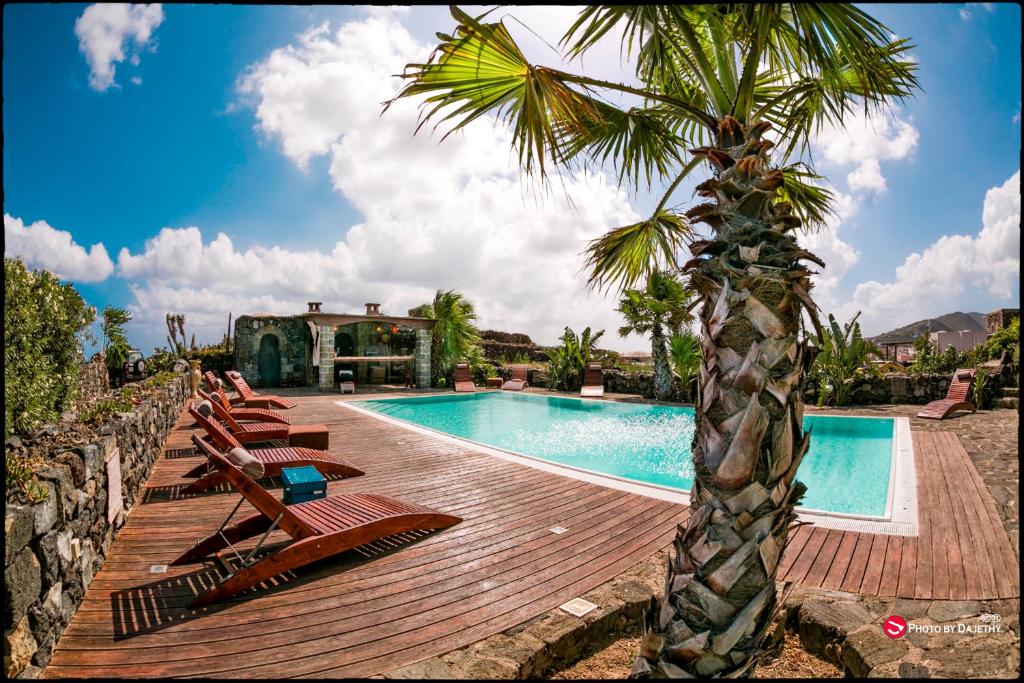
[248, 122]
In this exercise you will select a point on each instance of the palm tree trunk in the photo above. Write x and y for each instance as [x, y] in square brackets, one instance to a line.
[720, 595]
[664, 381]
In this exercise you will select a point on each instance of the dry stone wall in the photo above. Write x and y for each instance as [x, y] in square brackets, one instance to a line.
[93, 381]
[53, 549]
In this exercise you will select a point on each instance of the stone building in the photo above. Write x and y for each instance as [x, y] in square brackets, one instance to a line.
[1000, 319]
[308, 349]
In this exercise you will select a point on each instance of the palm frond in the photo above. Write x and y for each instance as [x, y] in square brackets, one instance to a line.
[625, 256]
[811, 201]
[637, 140]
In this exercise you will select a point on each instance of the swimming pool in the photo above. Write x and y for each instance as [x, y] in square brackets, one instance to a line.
[847, 470]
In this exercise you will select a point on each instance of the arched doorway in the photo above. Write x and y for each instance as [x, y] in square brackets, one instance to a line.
[270, 361]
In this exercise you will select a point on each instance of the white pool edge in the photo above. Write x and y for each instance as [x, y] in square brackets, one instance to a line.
[901, 500]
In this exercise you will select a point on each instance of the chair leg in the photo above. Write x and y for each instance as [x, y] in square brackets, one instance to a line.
[247, 528]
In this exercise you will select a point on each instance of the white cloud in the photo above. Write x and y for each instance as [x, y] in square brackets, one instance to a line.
[966, 12]
[863, 142]
[839, 256]
[104, 29]
[867, 176]
[926, 282]
[1016, 116]
[41, 246]
[435, 215]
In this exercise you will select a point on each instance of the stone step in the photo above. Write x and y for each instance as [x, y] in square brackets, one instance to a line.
[1011, 402]
[1010, 391]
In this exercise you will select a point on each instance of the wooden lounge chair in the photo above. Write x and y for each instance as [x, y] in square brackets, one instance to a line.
[313, 435]
[250, 398]
[272, 459]
[243, 414]
[518, 381]
[212, 383]
[463, 380]
[593, 380]
[956, 397]
[318, 529]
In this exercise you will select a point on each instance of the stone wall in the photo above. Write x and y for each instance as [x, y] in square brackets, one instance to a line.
[53, 549]
[894, 388]
[293, 343]
[93, 381]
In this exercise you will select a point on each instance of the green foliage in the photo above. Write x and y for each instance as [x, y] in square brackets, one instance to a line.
[685, 352]
[841, 358]
[1006, 339]
[566, 362]
[161, 361]
[928, 360]
[454, 333]
[982, 393]
[479, 368]
[19, 476]
[662, 306]
[161, 379]
[44, 322]
[115, 343]
[213, 357]
[102, 409]
[518, 358]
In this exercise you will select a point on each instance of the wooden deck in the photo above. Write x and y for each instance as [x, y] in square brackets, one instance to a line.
[401, 601]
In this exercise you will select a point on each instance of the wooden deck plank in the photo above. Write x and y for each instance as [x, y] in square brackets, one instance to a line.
[858, 564]
[844, 555]
[405, 599]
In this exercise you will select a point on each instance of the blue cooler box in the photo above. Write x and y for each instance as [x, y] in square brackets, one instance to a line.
[302, 484]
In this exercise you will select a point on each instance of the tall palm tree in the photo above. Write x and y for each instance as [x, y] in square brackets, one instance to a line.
[454, 332]
[660, 310]
[714, 81]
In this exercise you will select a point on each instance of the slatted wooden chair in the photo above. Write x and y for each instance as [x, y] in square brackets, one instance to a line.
[212, 383]
[242, 414]
[518, 381]
[273, 459]
[463, 380]
[318, 529]
[250, 398]
[593, 380]
[956, 397]
[312, 435]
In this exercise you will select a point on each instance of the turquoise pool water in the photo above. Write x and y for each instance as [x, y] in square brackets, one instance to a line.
[846, 470]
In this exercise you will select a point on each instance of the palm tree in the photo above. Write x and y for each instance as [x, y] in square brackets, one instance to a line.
[713, 81]
[454, 332]
[660, 309]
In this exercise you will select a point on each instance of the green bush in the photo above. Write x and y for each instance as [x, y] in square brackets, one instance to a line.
[44, 322]
[160, 361]
[100, 410]
[214, 357]
[929, 360]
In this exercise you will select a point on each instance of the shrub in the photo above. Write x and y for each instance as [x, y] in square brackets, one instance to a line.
[100, 410]
[566, 362]
[842, 355]
[160, 361]
[214, 357]
[44, 322]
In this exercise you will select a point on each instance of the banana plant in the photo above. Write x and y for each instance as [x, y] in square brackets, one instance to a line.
[841, 354]
[684, 348]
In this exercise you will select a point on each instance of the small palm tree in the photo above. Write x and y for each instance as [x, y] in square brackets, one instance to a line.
[714, 80]
[660, 310]
[454, 332]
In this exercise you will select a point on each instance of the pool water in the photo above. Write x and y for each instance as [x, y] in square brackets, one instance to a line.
[846, 470]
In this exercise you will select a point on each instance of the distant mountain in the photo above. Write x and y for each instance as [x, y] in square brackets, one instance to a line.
[951, 322]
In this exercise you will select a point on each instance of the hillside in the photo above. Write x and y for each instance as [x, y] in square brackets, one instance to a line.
[950, 322]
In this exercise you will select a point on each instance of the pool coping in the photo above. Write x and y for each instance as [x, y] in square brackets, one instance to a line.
[901, 498]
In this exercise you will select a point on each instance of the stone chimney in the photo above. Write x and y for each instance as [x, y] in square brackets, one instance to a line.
[373, 309]
[314, 306]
